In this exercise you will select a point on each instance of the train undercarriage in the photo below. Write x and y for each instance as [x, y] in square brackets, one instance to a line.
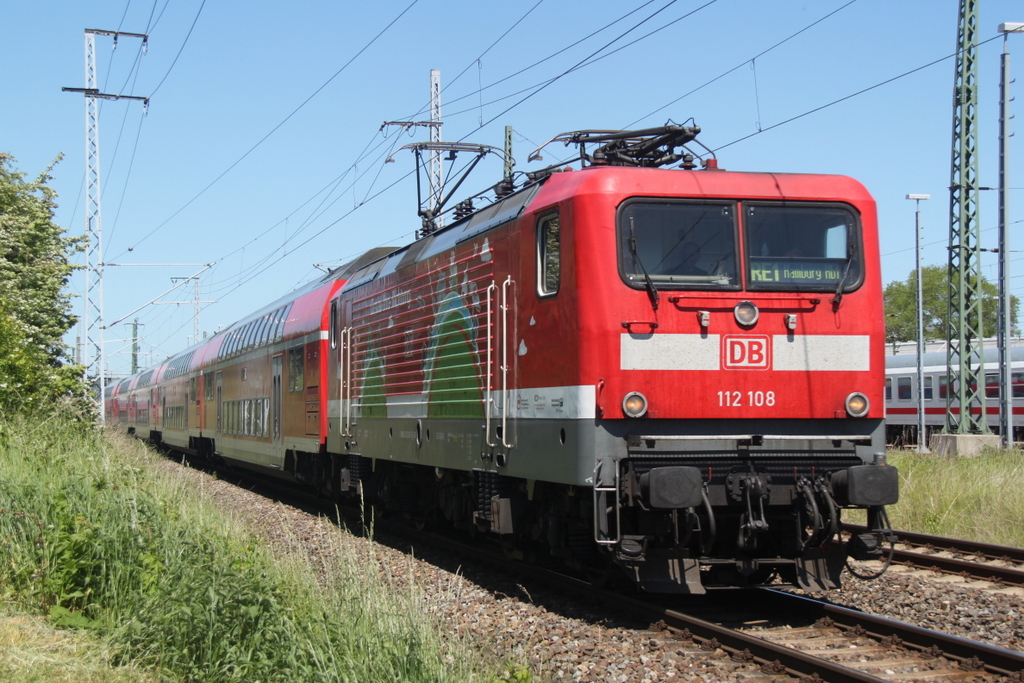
[668, 525]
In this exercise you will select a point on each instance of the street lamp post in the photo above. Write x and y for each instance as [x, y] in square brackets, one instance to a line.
[922, 446]
[1005, 319]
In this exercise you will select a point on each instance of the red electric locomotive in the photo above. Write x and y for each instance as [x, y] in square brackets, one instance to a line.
[679, 370]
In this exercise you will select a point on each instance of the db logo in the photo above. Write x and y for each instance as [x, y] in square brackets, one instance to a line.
[746, 352]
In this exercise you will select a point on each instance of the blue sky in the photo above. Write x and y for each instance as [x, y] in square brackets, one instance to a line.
[261, 150]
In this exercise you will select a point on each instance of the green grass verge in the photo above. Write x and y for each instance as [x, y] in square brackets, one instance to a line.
[98, 538]
[979, 498]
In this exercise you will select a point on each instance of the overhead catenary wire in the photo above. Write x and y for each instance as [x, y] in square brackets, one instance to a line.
[181, 49]
[750, 60]
[848, 97]
[262, 268]
[531, 66]
[316, 92]
[378, 163]
[128, 175]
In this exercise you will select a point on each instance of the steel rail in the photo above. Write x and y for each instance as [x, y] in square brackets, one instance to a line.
[1013, 576]
[993, 659]
[953, 544]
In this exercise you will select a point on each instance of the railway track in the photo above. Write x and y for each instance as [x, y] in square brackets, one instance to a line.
[769, 634]
[969, 559]
[781, 634]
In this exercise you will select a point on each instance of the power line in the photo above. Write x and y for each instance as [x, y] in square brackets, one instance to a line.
[264, 263]
[181, 49]
[741, 64]
[848, 97]
[379, 166]
[278, 126]
[535, 64]
[591, 58]
[128, 175]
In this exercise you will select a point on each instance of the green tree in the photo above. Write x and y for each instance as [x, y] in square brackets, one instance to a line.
[901, 306]
[35, 307]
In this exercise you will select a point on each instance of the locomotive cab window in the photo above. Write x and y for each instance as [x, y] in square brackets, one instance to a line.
[678, 245]
[549, 255]
[808, 247]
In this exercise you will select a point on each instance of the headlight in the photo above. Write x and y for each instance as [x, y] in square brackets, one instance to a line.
[857, 404]
[746, 313]
[635, 404]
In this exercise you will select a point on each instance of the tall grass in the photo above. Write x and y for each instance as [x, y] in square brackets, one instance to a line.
[95, 535]
[979, 499]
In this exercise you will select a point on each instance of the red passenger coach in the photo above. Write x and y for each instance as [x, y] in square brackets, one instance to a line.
[677, 370]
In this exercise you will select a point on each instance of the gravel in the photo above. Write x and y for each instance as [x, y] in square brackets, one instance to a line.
[558, 639]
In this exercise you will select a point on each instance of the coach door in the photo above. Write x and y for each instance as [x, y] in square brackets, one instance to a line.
[277, 396]
[220, 399]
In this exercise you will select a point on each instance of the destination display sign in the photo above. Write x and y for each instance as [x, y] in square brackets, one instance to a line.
[792, 271]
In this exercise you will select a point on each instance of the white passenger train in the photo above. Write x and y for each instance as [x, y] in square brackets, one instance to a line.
[901, 392]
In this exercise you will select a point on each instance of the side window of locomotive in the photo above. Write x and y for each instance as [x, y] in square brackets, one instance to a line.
[549, 255]
[334, 324]
[296, 364]
[804, 247]
[678, 245]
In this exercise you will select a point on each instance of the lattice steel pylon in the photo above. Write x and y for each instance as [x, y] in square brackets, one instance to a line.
[966, 384]
[92, 320]
[94, 359]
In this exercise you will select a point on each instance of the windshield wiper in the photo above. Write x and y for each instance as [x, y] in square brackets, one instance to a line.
[837, 299]
[652, 291]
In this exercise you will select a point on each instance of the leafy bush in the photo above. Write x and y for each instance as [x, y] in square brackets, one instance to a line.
[35, 307]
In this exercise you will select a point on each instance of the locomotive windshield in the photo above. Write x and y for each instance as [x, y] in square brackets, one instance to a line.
[693, 245]
[678, 245]
[810, 247]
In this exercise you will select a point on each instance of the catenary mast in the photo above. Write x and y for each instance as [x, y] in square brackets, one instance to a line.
[966, 385]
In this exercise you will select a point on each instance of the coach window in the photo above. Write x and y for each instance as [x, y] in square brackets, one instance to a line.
[282, 319]
[903, 389]
[928, 388]
[888, 388]
[261, 334]
[250, 336]
[942, 386]
[992, 385]
[296, 364]
[1017, 380]
[549, 255]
